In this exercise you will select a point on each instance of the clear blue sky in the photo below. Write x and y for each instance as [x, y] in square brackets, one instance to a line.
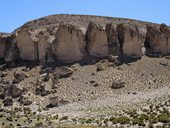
[14, 13]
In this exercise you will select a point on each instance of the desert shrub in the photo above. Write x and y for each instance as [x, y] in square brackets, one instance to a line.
[123, 120]
[164, 118]
[113, 120]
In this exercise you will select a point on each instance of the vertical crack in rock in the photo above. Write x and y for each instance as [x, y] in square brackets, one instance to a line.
[3, 41]
[97, 44]
[131, 40]
[69, 45]
[114, 46]
[11, 51]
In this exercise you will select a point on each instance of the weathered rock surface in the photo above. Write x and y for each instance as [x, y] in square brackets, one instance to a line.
[15, 91]
[114, 46]
[69, 45]
[131, 40]
[158, 40]
[27, 45]
[118, 84]
[97, 44]
[70, 38]
[3, 41]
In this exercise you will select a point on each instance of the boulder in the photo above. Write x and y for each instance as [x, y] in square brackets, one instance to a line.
[100, 66]
[15, 91]
[63, 72]
[157, 40]
[18, 77]
[8, 101]
[25, 99]
[97, 44]
[131, 40]
[114, 46]
[54, 101]
[69, 45]
[118, 84]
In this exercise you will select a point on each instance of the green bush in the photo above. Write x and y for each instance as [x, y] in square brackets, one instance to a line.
[164, 118]
[123, 120]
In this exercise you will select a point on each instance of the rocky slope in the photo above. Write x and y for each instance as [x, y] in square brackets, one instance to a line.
[70, 38]
[85, 69]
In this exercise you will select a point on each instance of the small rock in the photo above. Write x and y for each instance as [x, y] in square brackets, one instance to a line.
[118, 84]
[3, 74]
[18, 77]
[100, 66]
[15, 91]
[26, 69]
[64, 72]
[46, 77]
[134, 93]
[96, 85]
[53, 102]
[111, 58]
[8, 101]
[25, 99]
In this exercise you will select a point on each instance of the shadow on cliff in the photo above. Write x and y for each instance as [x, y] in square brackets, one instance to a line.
[88, 60]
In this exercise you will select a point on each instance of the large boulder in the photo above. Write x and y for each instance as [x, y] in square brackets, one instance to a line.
[15, 91]
[27, 44]
[69, 45]
[157, 40]
[97, 44]
[131, 40]
[114, 46]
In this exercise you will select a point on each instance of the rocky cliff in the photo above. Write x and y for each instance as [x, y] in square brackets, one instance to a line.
[70, 38]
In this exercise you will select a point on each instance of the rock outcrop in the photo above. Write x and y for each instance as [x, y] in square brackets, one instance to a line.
[114, 46]
[70, 38]
[97, 44]
[27, 45]
[131, 40]
[3, 41]
[157, 40]
[69, 45]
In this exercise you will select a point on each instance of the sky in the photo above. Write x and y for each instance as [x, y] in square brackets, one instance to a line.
[14, 13]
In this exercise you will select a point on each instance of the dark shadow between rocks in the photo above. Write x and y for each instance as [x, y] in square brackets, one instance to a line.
[127, 59]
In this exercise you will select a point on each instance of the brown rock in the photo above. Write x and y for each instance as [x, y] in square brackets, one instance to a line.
[18, 77]
[69, 45]
[97, 44]
[8, 101]
[63, 72]
[15, 91]
[157, 40]
[118, 84]
[114, 46]
[27, 45]
[3, 41]
[131, 40]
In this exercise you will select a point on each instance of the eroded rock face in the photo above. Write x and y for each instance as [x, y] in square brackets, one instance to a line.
[157, 40]
[131, 40]
[114, 46]
[69, 45]
[3, 41]
[97, 44]
[27, 45]
[11, 52]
